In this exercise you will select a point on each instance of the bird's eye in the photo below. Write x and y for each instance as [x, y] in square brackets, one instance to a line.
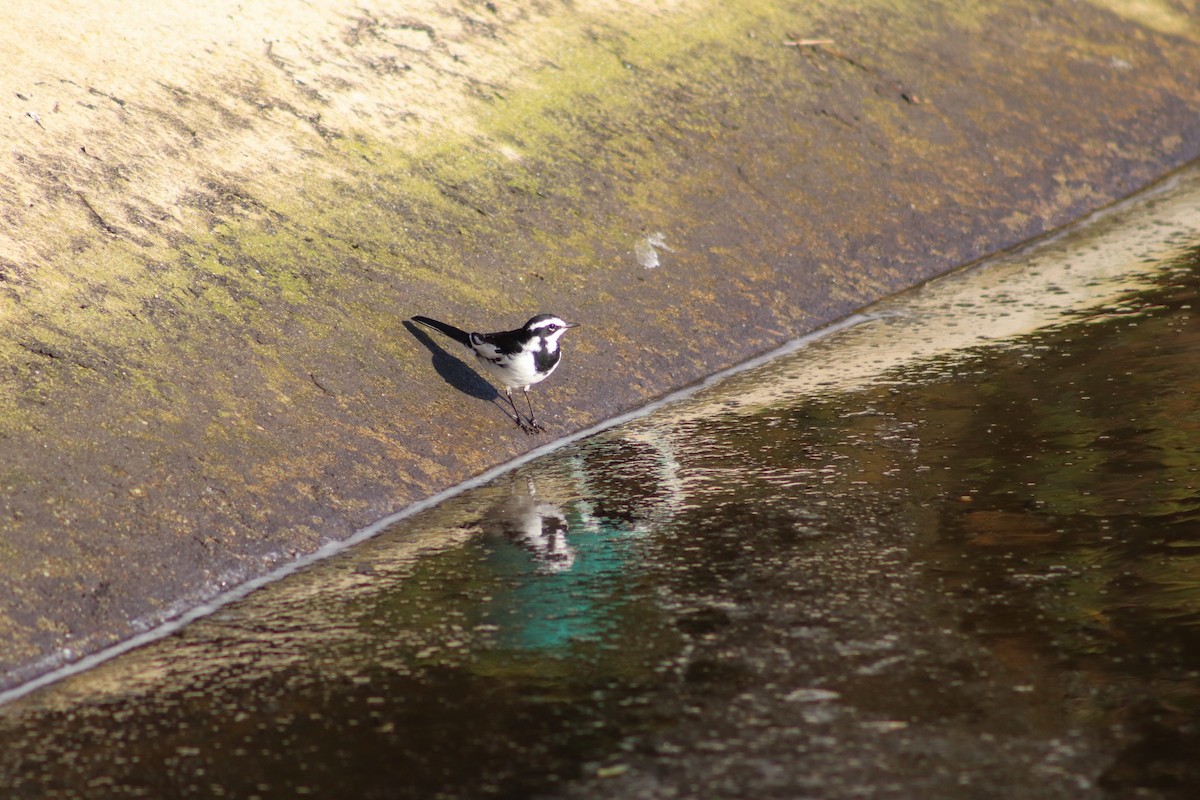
[551, 328]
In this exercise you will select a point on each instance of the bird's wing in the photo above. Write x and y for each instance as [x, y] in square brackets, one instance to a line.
[504, 344]
[487, 349]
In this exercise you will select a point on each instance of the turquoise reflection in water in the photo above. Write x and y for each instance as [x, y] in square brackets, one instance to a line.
[552, 609]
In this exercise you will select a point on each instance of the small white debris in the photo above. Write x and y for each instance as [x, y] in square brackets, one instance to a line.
[811, 696]
[646, 250]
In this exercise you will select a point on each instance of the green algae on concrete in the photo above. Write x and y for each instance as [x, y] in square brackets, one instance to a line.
[205, 276]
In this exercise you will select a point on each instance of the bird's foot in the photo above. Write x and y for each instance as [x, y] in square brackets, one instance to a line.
[530, 426]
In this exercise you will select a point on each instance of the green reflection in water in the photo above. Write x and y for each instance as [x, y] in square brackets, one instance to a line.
[1077, 463]
[1083, 521]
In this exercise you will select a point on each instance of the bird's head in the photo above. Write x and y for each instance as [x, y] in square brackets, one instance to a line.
[548, 326]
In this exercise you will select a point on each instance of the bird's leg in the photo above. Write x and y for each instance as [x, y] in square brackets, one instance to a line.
[517, 418]
[534, 425]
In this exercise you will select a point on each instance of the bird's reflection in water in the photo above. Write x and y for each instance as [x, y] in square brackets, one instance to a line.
[535, 525]
[610, 488]
[560, 542]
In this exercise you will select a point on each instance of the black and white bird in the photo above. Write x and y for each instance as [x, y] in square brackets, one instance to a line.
[517, 359]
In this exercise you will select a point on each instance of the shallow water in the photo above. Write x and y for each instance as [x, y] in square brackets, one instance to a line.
[953, 551]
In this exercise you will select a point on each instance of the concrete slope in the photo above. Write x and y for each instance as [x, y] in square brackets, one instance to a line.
[218, 218]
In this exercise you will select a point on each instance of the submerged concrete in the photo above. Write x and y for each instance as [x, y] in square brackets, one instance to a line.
[217, 221]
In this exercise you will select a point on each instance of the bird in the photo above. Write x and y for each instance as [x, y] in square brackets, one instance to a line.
[517, 359]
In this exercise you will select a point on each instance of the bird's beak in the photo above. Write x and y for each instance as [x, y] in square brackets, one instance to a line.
[572, 324]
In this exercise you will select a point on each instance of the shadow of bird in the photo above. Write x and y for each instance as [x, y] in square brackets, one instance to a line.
[454, 370]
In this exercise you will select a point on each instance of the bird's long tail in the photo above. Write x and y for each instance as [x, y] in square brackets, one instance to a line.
[454, 333]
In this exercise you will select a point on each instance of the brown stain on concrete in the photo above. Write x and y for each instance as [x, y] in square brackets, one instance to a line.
[209, 252]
